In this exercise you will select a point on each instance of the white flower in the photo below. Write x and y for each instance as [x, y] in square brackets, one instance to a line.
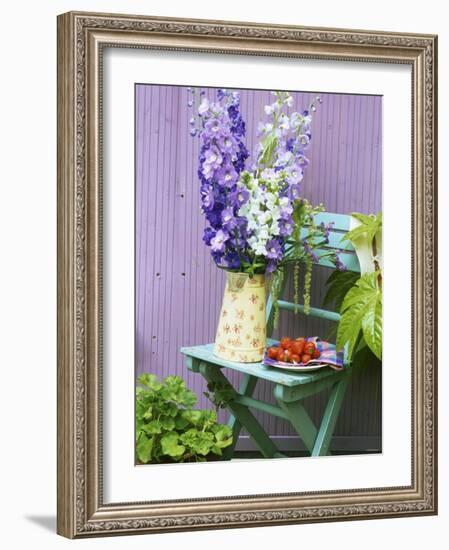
[275, 229]
[254, 208]
[263, 233]
[252, 241]
[244, 210]
[204, 107]
[264, 217]
[269, 109]
[284, 158]
[296, 120]
[275, 214]
[284, 122]
[270, 200]
[260, 250]
[289, 101]
[252, 224]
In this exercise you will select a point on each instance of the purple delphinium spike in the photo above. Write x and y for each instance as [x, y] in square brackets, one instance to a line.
[222, 158]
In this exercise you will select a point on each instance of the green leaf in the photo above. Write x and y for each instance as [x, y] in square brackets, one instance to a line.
[171, 409]
[154, 427]
[170, 445]
[167, 423]
[150, 381]
[188, 398]
[198, 441]
[372, 326]
[354, 234]
[269, 144]
[181, 422]
[370, 225]
[194, 417]
[363, 218]
[223, 436]
[144, 448]
[360, 311]
[349, 326]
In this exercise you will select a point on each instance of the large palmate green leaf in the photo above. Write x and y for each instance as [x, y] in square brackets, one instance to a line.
[170, 445]
[372, 325]
[362, 311]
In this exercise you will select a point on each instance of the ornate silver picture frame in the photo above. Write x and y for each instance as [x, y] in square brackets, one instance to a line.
[82, 38]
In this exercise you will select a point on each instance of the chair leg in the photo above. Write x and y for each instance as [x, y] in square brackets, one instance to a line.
[246, 388]
[330, 416]
[300, 421]
[242, 414]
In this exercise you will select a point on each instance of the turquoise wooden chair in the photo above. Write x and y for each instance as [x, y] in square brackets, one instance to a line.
[290, 388]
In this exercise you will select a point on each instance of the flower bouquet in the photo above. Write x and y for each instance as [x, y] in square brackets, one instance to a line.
[255, 213]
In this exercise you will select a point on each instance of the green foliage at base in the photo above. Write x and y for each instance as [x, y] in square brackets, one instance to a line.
[168, 429]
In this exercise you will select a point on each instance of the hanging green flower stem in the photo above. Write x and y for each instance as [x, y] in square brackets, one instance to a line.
[307, 285]
[302, 247]
[296, 286]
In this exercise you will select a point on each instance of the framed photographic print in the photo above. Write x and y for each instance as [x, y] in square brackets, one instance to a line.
[246, 274]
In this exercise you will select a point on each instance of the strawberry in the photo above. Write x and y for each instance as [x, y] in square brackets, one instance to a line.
[285, 343]
[305, 358]
[298, 347]
[309, 348]
[280, 354]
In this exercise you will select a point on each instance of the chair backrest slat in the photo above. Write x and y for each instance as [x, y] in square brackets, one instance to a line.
[335, 242]
[341, 222]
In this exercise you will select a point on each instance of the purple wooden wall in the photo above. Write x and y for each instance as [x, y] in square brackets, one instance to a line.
[178, 288]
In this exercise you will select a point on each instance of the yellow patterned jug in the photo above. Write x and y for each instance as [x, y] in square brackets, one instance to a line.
[241, 332]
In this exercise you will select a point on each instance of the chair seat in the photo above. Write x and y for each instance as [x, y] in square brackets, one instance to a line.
[259, 370]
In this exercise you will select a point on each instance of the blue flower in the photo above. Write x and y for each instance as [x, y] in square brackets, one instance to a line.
[218, 241]
[274, 251]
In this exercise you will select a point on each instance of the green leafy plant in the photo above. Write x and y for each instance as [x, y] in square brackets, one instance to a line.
[168, 429]
[359, 298]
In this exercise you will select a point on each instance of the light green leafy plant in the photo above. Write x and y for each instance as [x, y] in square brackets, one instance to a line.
[168, 429]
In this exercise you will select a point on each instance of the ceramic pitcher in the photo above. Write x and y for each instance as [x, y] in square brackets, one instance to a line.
[241, 332]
